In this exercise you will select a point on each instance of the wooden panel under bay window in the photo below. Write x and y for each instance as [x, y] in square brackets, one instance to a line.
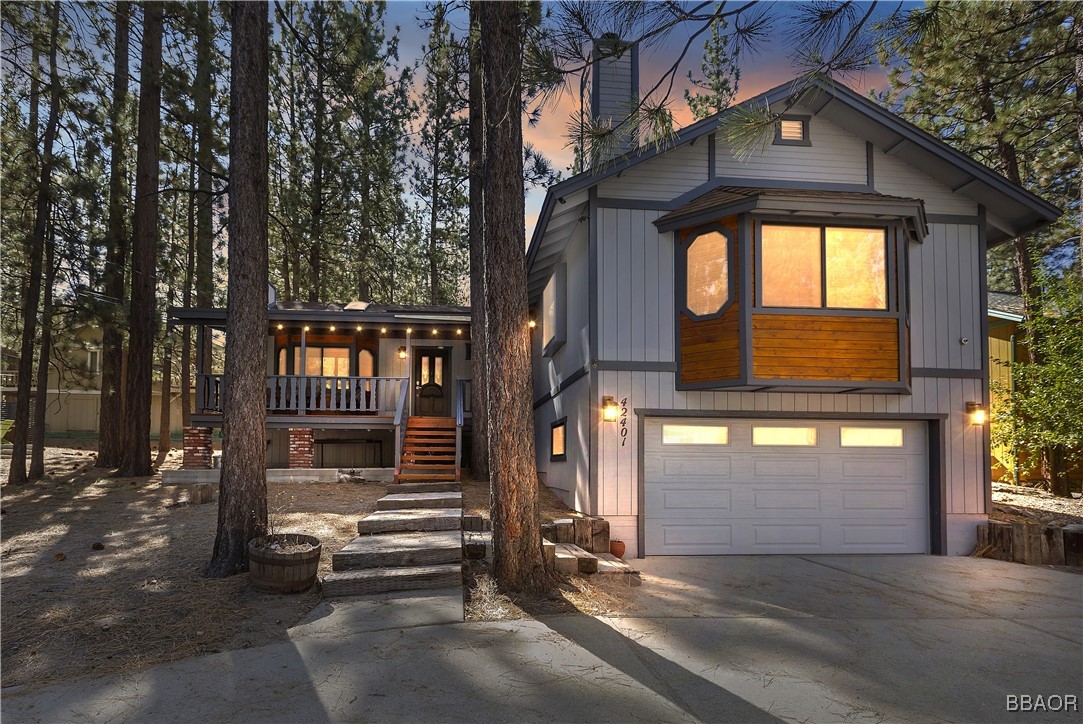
[711, 348]
[809, 347]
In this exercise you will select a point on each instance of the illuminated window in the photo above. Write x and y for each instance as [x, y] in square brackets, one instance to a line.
[323, 361]
[552, 312]
[791, 266]
[695, 435]
[792, 131]
[796, 261]
[558, 440]
[871, 437]
[784, 436]
[707, 273]
[856, 262]
[366, 363]
[282, 362]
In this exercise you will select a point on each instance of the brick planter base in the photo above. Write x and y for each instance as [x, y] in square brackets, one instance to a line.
[197, 448]
[301, 447]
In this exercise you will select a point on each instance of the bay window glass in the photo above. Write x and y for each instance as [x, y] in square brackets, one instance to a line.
[856, 262]
[823, 267]
[790, 257]
[708, 276]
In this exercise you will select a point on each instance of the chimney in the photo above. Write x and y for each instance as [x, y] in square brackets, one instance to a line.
[614, 92]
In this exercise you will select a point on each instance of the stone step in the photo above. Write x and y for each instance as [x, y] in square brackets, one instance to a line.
[411, 519]
[400, 549]
[447, 486]
[571, 558]
[382, 580]
[402, 501]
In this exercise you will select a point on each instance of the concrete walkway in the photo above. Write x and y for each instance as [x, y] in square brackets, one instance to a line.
[818, 639]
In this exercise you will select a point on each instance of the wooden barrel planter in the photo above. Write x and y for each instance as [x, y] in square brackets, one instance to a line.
[283, 571]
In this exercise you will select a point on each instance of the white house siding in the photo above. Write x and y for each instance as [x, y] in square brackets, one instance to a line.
[391, 366]
[945, 299]
[635, 287]
[835, 156]
[895, 177]
[666, 176]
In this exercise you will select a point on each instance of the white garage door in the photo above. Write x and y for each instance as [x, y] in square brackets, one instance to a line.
[720, 486]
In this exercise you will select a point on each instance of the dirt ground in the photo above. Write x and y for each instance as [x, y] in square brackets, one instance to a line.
[103, 574]
[1016, 503]
[476, 502]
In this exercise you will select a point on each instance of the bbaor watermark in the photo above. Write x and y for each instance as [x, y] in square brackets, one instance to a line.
[1038, 702]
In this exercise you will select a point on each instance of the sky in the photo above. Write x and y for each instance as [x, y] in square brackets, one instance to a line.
[769, 67]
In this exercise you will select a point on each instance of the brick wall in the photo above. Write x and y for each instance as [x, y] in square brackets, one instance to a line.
[301, 453]
[197, 448]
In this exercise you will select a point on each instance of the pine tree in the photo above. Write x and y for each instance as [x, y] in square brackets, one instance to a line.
[721, 73]
[242, 502]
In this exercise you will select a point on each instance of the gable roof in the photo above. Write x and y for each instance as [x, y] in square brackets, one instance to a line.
[1012, 209]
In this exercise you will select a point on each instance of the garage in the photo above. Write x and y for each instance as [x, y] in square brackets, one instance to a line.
[716, 486]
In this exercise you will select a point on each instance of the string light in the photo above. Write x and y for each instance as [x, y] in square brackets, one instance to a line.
[280, 325]
[383, 330]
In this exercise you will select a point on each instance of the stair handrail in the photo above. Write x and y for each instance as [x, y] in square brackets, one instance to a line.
[460, 394]
[400, 431]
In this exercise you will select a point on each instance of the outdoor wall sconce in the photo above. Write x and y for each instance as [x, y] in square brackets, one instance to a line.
[977, 413]
[402, 353]
[458, 331]
[532, 324]
[306, 327]
[434, 333]
[610, 409]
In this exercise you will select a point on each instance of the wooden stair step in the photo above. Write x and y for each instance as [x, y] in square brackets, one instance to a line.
[425, 477]
[609, 563]
[433, 457]
[413, 519]
[400, 549]
[403, 501]
[382, 580]
[429, 423]
[447, 486]
[571, 558]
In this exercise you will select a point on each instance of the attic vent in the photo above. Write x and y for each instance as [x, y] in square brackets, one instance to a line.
[792, 131]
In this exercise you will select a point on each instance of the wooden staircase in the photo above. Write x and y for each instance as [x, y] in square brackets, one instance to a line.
[430, 450]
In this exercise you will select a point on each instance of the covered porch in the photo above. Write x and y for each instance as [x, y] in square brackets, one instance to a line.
[352, 375]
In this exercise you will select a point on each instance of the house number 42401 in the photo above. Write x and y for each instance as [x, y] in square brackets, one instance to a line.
[623, 421]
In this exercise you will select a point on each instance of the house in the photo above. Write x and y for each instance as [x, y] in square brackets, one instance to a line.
[358, 385]
[73, 395]
[783, 354]
[1006, 347]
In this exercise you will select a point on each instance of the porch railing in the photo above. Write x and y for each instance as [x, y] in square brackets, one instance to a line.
[301, 394]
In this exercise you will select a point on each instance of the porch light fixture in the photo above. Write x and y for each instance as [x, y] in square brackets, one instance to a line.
[434, 333]
[532, 324]
[409, 330]
[610, 409]
[977, 412]
[359, 328]
[458, 331]
[306, 327]
[402, 353]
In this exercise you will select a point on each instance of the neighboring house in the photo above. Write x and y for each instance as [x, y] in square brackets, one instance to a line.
[74, 391]
[344, 381]
[1007, 346]
[776, 355]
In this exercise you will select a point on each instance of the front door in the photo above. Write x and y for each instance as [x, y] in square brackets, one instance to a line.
[431, 382]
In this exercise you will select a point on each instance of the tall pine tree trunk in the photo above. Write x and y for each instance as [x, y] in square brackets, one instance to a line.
[479, 439]
[517, 552]
[204, 271]
[434, 271]
[111, 406]
[137, 384]
[42, 207]
[186, 296]
[319, 23]
[1077, 35]
[242, 501]
[41, 399]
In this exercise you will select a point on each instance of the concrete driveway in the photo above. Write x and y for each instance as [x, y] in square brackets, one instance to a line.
[819, 639]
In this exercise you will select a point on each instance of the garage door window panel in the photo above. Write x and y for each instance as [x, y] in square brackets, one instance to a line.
[695, 435]
[772, 436]
[870, 436]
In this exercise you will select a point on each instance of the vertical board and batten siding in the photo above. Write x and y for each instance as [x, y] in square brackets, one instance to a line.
[635, 287]
[664, 177]
[390, 365]
[894, 177]
[945, 299]
[835, 156]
